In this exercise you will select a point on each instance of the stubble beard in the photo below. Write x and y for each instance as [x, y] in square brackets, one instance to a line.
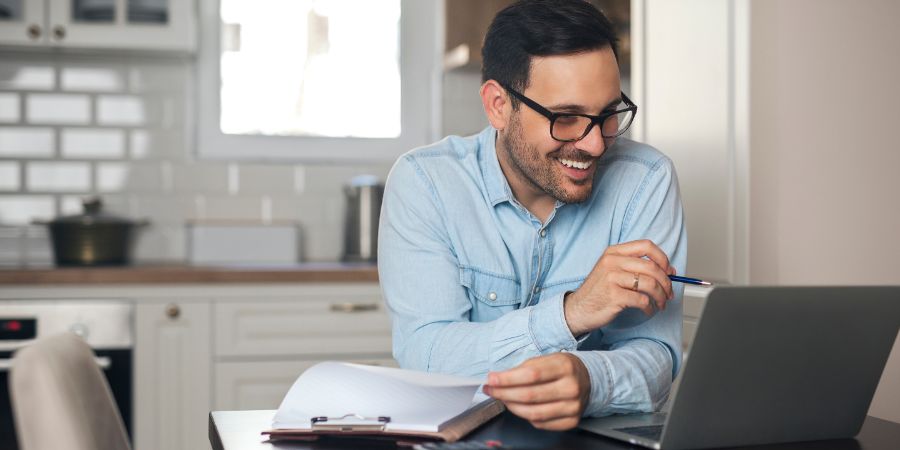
[539, 170]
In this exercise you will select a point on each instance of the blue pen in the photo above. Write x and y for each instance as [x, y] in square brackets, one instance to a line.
[687, 280]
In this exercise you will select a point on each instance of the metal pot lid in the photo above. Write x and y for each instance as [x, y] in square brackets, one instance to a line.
[93, 214]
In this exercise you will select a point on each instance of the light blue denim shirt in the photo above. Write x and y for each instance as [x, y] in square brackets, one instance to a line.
[474, 282]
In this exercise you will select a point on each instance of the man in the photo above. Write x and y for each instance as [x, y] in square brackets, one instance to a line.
[537, 252]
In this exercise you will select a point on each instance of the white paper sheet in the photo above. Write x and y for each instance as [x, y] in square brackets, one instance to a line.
[415, 401]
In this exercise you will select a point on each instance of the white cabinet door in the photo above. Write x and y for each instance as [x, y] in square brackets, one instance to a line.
[248, 385]
[331, 322]
[22, 22]
[163, 25]
[172, 375]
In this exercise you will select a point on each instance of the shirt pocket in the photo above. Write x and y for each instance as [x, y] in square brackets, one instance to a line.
[489, 288]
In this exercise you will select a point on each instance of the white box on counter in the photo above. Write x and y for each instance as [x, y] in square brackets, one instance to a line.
[243, 243]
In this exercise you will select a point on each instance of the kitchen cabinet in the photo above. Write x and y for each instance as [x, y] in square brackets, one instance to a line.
[263, 344]
[172, 372]
[161, 25]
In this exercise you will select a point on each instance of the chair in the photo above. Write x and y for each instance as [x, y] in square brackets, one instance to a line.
[61, 399]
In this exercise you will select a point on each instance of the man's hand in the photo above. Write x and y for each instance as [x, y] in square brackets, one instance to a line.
[622, 278]
[550, 391]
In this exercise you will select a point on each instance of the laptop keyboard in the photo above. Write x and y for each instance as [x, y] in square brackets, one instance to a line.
[653, 432]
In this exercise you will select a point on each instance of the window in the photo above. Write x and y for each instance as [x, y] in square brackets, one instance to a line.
[317, 80]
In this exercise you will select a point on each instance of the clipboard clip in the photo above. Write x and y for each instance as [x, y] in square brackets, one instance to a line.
[349, 422]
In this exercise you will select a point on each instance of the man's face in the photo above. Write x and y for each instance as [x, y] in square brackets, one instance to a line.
[584, 83]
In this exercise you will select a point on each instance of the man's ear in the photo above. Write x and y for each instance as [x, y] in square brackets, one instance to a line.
[496, 104]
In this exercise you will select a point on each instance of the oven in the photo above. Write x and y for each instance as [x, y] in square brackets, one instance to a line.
[106, 325]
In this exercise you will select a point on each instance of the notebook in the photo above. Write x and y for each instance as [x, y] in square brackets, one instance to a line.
[337, 398]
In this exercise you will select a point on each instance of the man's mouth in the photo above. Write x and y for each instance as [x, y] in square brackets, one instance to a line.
[582, 165]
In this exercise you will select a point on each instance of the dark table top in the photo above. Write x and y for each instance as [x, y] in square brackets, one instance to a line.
[240, 430]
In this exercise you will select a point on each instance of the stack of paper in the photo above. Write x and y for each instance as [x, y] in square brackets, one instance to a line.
[414, 401]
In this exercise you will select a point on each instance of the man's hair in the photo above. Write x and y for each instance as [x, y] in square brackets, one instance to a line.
[540, 28]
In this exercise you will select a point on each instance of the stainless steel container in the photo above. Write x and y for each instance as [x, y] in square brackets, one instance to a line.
[363, 195]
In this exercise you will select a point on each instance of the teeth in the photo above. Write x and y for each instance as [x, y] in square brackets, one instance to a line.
[576, 164]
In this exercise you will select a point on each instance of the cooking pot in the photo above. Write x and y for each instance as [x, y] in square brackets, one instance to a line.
[93, 238]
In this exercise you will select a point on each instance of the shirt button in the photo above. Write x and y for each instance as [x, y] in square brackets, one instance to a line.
[543, 233]
[492, 296]
[537, 289]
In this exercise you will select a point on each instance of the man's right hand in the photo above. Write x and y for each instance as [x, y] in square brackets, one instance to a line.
[610, 287]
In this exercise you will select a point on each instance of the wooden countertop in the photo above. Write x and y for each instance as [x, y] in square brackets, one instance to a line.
[162, 274]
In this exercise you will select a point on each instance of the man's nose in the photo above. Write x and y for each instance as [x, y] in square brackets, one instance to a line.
[593, 142]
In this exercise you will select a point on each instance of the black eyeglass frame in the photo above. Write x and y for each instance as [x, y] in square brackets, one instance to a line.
[595, 120]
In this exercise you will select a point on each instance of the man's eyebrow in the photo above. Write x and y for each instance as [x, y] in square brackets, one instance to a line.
[580, 109]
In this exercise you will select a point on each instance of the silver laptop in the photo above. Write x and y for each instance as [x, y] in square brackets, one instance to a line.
[773, 364]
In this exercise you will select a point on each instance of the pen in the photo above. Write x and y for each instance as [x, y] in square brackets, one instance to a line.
[688, 280]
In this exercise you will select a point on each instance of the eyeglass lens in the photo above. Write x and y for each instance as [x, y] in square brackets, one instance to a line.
[567, 128]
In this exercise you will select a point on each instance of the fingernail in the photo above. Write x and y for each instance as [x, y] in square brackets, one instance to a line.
[487, 390]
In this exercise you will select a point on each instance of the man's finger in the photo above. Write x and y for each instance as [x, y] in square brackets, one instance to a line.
[647, 288]
[541, 393]
[650, 273]
[641, 248]
[545, 412]
[526, 374]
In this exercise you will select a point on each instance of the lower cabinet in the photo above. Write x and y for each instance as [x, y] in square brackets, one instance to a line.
[172, 373]
[200, 351]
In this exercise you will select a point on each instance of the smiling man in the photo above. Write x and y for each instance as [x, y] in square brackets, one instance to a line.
[537, 252]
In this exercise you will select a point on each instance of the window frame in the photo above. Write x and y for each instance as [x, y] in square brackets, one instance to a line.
[421, 28]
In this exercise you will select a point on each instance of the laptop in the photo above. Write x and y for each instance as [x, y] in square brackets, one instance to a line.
[771, 365]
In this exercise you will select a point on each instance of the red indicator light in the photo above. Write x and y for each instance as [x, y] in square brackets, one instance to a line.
[12, 325]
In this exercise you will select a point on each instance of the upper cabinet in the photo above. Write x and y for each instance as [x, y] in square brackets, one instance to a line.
[160, 25]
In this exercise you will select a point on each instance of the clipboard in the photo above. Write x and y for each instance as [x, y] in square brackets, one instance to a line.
[355, 425]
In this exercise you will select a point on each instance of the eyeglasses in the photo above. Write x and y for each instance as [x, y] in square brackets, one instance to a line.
[567, 127]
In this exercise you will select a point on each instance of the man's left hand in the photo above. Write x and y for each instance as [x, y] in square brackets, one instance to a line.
[550, 391]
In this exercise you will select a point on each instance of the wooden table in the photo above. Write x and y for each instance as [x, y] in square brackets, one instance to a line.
[239, 430]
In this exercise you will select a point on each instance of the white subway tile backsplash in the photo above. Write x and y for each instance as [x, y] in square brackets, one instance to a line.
[160, 76]
[58, 176]
[233, 207]
[164, 209]
[161, 243]
[93, 143]
[205, 177]
[26, 142]
[122, 110]
[22, 209]
[92, 79]
[156, 143]
[265, 179]
[112, 177]
[38, 249]
[25, 75]
[9, 107]
[129, 177]
[58, 109]
[9, 176]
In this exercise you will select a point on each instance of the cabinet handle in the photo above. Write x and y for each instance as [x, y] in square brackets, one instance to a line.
[353, 307]
[59, 32]
[173, 311]
[34, 31]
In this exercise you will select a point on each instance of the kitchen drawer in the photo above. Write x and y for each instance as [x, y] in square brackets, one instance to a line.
[324, 326]
[263, 384]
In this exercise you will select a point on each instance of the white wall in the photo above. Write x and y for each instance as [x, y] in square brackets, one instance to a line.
[825, 153]
[782, 120]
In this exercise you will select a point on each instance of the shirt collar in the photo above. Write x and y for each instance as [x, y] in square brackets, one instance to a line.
[498, 189]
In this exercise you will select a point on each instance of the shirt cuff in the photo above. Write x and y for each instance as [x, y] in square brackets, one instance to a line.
[548, 328]
[599, 372]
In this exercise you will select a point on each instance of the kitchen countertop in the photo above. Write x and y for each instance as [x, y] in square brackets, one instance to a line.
[176, 273]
